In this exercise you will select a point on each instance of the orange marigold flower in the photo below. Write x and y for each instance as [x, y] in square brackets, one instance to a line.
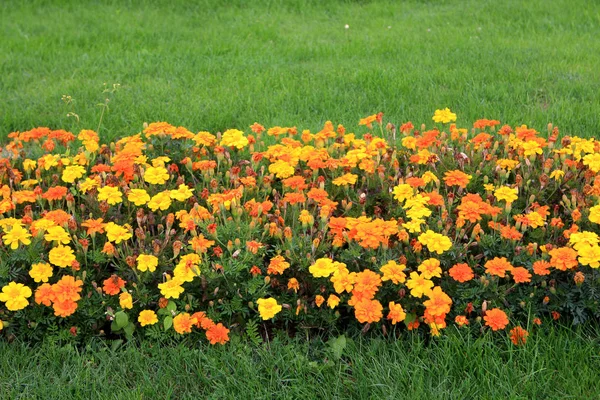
[64, 308]
[396, 313]
[498, 266]
[113, 285]
[182, 323]
[518, 336]
[367, 282]
[439, 302]
[521, 275]
[55, 193]
[277, 265]
[44, 294]
[461, 272]
[496, 319]
[541, 267]
[367, 311]
[461, 320]
[457, 178]
[217, 334]
[563, 258]
[94, 226]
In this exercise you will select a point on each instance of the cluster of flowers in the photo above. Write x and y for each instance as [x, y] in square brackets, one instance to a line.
[491, 227]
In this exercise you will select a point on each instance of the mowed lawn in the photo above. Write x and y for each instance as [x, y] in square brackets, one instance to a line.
[214, 65]
[217, 65]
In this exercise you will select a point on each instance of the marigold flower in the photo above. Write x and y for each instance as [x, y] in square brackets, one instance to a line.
[147, 262]
[182, 323]
[139, 197]
[457, 178]
[72, 172]
[17, 234]
[217, 334]
[113, 285]
[234, 138]
[112, 195]
[393, 272]
[435, 242]
[147, 317]
[518, 336]
[15, 295]
[333, 301]
[62, 256]
[520, 275]
[589, 255]
[439, 303]
[498, 266]
[496, 319]
[444, 116]
[461, 320]
[507, 194]
[541, 267]
[40, 272]
[461, 272]
[368, 311]
[418, 285]
[44, 294]
[268, 308]
[160, 201]
[116, 233]
[319, 300]
[563, 258]
[346, 179]
[396, 313]
[277, 265]
[125, 300]
[67, 289]
[430, 268]
[156, 175]
[323, 268]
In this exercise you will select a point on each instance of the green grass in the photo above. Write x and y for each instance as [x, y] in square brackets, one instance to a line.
[561, 364]
[221, 64]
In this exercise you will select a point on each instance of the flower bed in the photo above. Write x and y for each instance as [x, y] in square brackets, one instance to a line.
[170, 232]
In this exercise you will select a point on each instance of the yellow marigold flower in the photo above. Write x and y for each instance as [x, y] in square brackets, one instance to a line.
[29, 165]
[403, 192]
[343, 280]
[589, 255]
[160, 161]
[489, 187]
[171, 289]
[306, 218]
[88, 185]
[139, 197]
[592, 161]
[394, 272]
[418, 285]
[147, 317]
[17, 234]
[346, 179]
[112, 195]
[146, 262]
[557, 174]
[234, 138]
[429, 177]
[156, 175]
[57, 234]
[268, 308]
[594, 214]
[578, 239]
[535, 219]
[72, 172]
[188, 267]
[410, 142]
[507, 164]
[182, 193]
[15, 295]
[435, 242]
[117, 233]
[125, 301]
[531, 147]
[507, 194]
[333, 301]
[40, 272]
[62, 256]
[444, 116]
[160, 201]
[281, 169]
[322, 268]
[414, 225]
[430, 268]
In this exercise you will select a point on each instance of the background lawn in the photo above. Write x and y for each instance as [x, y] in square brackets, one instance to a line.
[217, 65]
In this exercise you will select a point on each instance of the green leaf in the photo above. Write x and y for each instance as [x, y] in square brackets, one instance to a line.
[168, 322]
[129, 329]
[121, 319]
[171, 306]
[337, 346]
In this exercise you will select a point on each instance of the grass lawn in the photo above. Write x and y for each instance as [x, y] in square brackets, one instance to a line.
[228, 64]
[217, 65]
[560, 364]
